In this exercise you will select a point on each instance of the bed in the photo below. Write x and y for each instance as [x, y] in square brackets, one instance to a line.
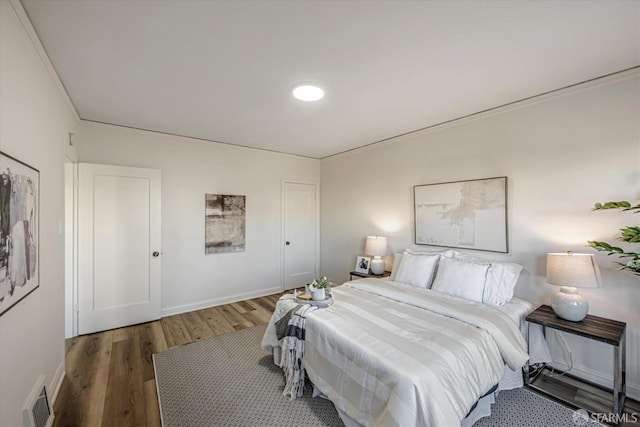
[392, 353]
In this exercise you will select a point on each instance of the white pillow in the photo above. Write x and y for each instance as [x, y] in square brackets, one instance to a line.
[396, 263]
[505, 275]
[461, 278]
[417, 270]
[501, 277]
[398, 256]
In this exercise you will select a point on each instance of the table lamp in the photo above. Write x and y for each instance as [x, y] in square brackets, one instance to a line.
[571, 271]
[376, 246]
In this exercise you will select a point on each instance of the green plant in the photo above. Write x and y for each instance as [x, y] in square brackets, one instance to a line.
[629, 234]
[320, 283]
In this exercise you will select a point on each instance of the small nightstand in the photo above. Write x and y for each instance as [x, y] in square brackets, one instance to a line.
[362, 275]
[595, 328]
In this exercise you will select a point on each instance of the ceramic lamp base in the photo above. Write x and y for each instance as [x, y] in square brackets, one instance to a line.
[568, 304]
[377, 266]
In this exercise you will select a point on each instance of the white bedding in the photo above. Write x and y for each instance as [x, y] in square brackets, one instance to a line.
[391, 354]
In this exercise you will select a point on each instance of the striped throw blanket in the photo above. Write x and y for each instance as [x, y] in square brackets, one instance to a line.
[290, 331]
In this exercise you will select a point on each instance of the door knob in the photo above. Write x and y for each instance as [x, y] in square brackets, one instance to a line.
[156, 254]
[287, 243]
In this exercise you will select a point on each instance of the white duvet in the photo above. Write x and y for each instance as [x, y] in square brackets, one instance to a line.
[405, 356]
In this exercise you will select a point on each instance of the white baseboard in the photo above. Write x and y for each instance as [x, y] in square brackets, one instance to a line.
[56, 383]
[601, 378]
[185, 308]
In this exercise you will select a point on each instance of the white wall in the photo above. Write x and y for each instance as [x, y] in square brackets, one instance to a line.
[35, 119]
[561, 154]
[190, 169]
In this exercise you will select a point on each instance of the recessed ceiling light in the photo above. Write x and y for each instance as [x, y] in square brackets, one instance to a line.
[308, 92]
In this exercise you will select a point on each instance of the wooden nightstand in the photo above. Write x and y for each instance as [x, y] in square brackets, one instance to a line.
[595, 328]
[362, 275]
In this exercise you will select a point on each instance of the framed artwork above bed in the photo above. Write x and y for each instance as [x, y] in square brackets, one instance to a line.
[463, 214]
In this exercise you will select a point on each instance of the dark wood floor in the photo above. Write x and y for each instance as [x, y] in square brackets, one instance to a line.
[109, 375]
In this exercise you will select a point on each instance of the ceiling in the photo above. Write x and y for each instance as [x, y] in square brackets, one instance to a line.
[223, 70]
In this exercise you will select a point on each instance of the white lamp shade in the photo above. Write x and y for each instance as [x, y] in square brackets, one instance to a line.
[575, 270]
[376, 246]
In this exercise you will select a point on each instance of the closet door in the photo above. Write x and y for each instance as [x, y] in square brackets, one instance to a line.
[119, 262]
[300, 234]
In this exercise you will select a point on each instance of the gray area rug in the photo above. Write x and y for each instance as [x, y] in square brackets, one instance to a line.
[523, 408]
[230, 381]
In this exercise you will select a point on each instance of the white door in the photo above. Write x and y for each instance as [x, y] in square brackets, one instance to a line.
[118, 246]
[300, 234]
[70, 314]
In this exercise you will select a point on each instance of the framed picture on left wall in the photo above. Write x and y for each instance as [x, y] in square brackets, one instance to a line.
[19, 228]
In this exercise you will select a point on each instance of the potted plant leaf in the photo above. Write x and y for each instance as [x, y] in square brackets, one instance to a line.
[629, 234]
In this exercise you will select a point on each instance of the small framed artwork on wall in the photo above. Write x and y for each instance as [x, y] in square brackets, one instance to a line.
[362, 264]
[225, 218]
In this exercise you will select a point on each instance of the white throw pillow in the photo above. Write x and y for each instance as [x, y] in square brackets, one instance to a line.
[396, 264]
[461, 278]
[417, 270]
[501, 277]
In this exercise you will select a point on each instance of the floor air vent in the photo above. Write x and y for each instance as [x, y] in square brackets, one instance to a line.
[37, 410]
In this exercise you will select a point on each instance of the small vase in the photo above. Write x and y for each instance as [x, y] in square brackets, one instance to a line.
[318, 295]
